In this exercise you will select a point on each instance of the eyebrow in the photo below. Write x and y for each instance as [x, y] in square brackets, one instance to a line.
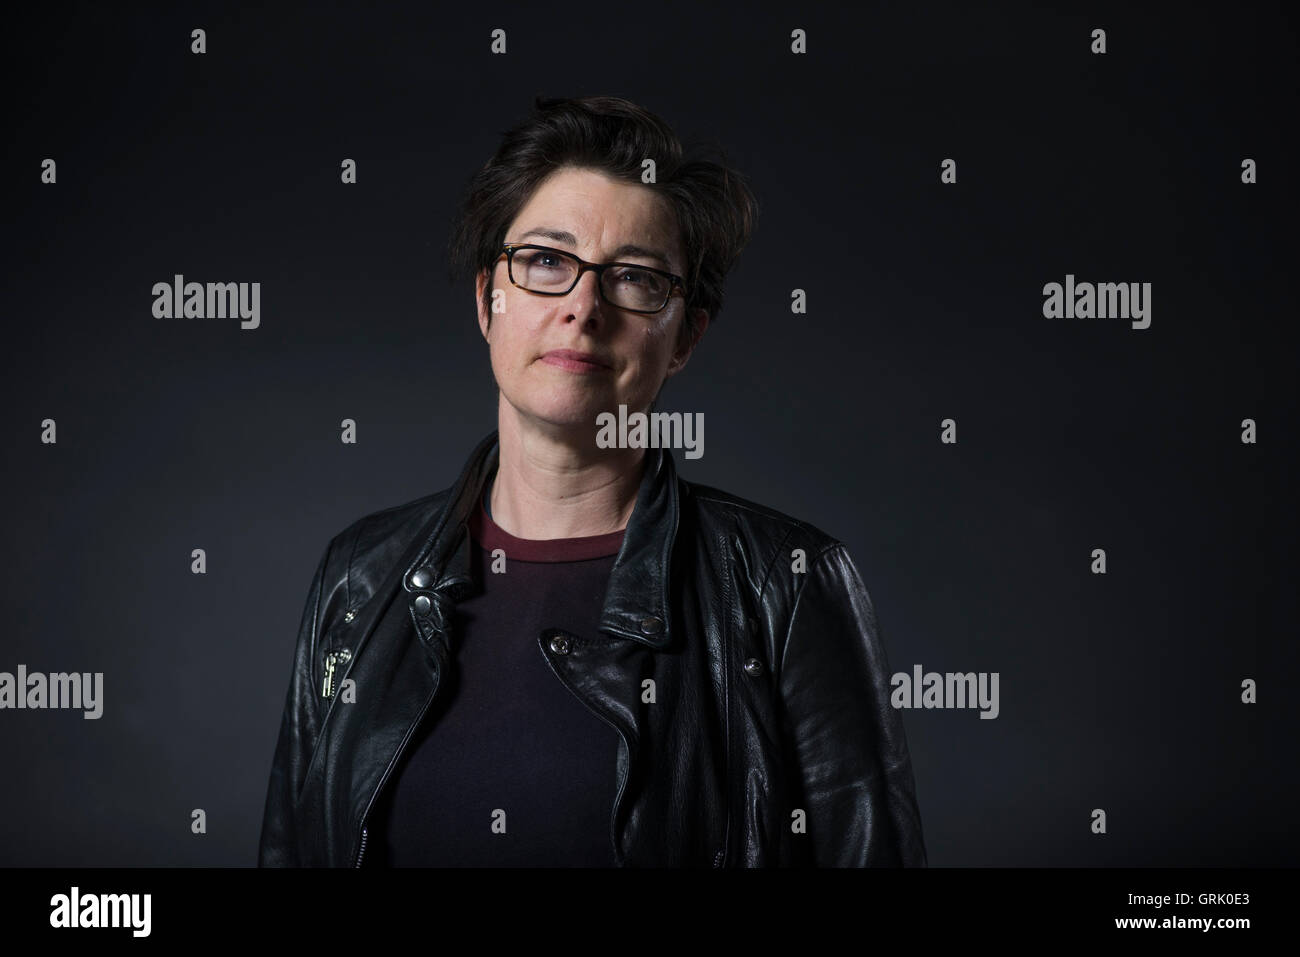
[627, 249]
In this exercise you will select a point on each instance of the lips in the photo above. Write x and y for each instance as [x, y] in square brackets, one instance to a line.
[571, 358]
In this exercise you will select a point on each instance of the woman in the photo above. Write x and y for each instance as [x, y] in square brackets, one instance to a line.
[572, 656]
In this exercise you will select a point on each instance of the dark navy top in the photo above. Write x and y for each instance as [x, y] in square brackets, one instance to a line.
[503, 733]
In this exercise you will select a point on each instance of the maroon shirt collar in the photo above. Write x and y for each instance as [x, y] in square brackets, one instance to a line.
[490, 535]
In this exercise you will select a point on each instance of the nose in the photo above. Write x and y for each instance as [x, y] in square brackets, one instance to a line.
[585, 298]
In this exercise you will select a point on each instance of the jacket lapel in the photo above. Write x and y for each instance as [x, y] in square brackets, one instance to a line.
[637, 599]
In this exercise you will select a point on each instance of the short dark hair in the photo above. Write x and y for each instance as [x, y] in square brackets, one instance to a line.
[714, 205]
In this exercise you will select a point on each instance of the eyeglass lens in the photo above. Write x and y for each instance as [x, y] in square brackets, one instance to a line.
[544, 270]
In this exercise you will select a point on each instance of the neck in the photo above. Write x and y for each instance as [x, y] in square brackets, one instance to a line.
[556, 484]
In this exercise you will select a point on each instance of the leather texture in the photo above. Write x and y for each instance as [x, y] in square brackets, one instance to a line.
[744, 692]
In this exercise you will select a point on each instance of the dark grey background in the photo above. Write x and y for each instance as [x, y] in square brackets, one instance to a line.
[1118, 691]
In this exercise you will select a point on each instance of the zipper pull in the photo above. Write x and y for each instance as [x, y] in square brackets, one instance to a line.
[336, 663]
[329, 675]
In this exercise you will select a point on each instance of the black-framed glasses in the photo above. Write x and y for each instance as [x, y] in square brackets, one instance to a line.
[553, 272]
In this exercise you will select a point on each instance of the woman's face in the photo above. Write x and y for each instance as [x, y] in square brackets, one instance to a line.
[638, 352]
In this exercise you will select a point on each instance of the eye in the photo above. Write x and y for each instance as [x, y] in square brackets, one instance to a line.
[540, 259]
[635, 277]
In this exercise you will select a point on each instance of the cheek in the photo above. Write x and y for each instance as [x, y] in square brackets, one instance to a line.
[499, 349]
[513, 338]
[659, 349]
[646, 367]
[510, 358]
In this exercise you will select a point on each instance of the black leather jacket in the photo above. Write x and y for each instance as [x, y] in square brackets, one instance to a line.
[770, 741]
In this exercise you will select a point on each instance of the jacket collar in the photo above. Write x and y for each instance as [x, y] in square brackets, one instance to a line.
[637, 602]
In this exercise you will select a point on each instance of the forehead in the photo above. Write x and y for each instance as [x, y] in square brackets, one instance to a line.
[596, 210]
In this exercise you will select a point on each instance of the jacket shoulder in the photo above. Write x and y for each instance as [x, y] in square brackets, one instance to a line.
[362, 555]
[760, 530]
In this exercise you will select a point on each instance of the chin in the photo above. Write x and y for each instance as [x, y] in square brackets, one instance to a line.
[569, 413]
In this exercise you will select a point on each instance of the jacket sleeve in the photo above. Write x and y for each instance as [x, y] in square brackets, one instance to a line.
[854, 767]
[299, 729]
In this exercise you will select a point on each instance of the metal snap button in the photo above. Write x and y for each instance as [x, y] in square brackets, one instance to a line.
[421, 578]
[350, 615]
[651, 626]
[753, 667]
[559, 644]
[422, 605]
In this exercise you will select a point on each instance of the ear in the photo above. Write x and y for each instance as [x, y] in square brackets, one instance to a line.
[484, 315]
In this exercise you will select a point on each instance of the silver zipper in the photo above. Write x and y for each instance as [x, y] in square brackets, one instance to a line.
[335, 664]
[361, 852]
